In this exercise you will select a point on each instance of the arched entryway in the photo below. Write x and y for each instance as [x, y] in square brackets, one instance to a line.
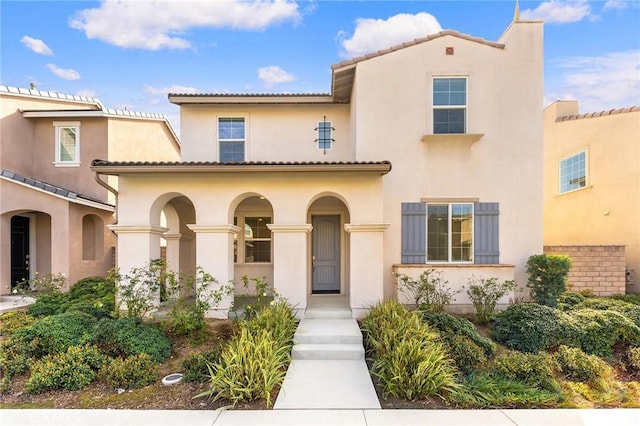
[30, 245]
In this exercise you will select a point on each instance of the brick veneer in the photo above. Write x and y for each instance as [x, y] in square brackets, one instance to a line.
[600, 269]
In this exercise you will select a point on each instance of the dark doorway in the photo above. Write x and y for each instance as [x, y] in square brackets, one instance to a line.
[19, 249]
[326, 254]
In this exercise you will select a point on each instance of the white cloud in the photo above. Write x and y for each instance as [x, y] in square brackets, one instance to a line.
[618, 4]
[371, 35]
[155, 25]
[274, 75]
[601, 82]
[170, 89]
[36, 45]
[559, 12]
[64, 74]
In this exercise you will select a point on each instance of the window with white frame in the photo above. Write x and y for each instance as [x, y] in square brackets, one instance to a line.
[67, 144]
[254, 243]
[231, 139]
[449, 105]
[573, 172]
[324, 135]
[450, 232]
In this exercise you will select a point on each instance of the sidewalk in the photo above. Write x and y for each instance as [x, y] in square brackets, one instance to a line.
[577, 417]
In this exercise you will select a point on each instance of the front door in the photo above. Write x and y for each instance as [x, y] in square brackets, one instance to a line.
[19, 249]
[325, 238]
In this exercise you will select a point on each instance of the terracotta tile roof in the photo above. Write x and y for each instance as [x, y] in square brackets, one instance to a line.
[413, 43]
[599, 114]
[249, 95]
[105, 163]
[47, 187]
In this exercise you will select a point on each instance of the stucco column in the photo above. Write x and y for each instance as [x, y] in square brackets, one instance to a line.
[291, 263]
[137, 245]
[214, 254]
[173, 259]
[366, 266]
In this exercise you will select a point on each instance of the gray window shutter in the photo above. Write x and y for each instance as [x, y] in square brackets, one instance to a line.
[414, 233]
[486, 233]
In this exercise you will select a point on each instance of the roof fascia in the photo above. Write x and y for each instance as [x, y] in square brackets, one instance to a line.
[383, 168]
[248, 99]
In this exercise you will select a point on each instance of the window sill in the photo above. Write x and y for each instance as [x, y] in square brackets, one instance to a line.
[573, 191]
[453, 137]
[57, 164]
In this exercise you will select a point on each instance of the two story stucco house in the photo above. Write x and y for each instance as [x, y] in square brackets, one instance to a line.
[53, 213]
[424, 155]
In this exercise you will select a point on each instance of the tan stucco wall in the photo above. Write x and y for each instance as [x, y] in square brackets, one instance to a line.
[140, 140]
[606, 210]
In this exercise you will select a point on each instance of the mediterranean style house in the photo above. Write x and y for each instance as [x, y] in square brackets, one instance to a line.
[592, 184]
[426, 155]
[53, 213]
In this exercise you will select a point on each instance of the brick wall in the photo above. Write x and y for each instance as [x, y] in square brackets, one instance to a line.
[600, 269]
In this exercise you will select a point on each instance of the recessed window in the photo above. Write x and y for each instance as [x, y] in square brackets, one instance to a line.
[450, 232]
[324, 135]
[67, 140]
[449, 105]
[257, 239]
[231, 139]
[573, 172]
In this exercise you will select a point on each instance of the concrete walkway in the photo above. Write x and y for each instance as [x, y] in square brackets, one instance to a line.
[14, 303]
[577, 417]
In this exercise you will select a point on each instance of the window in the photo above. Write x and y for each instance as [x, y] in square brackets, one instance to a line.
[231, 139]
[449, 105]
[67, 149]
[573, 173]
[324, 135]
[449, 232]
[256, 239]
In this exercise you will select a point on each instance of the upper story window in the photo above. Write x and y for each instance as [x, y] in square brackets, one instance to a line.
[231, 139]
[450, 232]
[324, 135]
[67, 149]
[449, 105]
[573, 172]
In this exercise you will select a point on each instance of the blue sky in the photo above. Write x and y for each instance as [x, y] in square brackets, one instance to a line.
[130, 54]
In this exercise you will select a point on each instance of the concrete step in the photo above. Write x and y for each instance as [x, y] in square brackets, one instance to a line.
[327, 331]
[308, 351]
[328, 313]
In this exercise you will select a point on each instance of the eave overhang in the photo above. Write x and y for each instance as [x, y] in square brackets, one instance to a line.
[249, 99]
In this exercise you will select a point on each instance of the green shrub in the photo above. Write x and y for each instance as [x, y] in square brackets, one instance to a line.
[596, 332]
[569, 299]
[93, 295]
[485, 390]
[139, 290]
[429, 291]
[547, 277]
[48, 304]
[277, 318]
[632, 360]
[54, 334]
[578, 366]
[124, 337]
[12, 321]
[467, 356]
[485, 293]
[536, 370]
[199, 366]
[450, 325]
[529, 327]
[629, 310]
[16, 357]
[94, 287]
[633, 298]
[134, 371]
[70, 370]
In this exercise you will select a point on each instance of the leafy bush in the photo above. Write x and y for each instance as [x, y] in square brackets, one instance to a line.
[529, 327]
[485, 293]
[629, 310]
[485, 390]
[12, 321]
[578, 366]
[569, 299]
[124, 337]
[139, 290]
[547, 277]
[633, 298]
[467, 356]
[260, 292]
[449, 325]
[429, 292]
[134, 371]
[536, 370]
[632, 360]
[199, 366]
[596, 332]
[54, 334]
[16, 357]
[70, 370]
[277, 318]
[48, 304]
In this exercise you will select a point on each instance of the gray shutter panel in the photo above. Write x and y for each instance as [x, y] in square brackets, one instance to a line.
[486, 233]
[414, 233]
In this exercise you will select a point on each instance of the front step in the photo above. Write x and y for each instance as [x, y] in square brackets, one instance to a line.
[333, 351]
[319, 331]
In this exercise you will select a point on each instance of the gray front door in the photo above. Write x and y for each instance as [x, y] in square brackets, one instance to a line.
[325, 238]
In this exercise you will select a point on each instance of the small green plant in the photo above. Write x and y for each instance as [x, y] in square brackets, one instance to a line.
[578, 366]
[548, 277]
[533, 369]
[429, 291]
[467, 356]
[42, 284]
[569, 300]
[597, 332]
[198, 367]
[134, 371]
[629, 310]
[632, 360]
[485, 293]
[449, 325]
[138, 292]
[12, 321]
[128, 336]
[260, 292]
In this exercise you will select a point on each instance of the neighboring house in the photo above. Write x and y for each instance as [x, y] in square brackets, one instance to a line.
[592, 183]
[52, 211]
[300, 188]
